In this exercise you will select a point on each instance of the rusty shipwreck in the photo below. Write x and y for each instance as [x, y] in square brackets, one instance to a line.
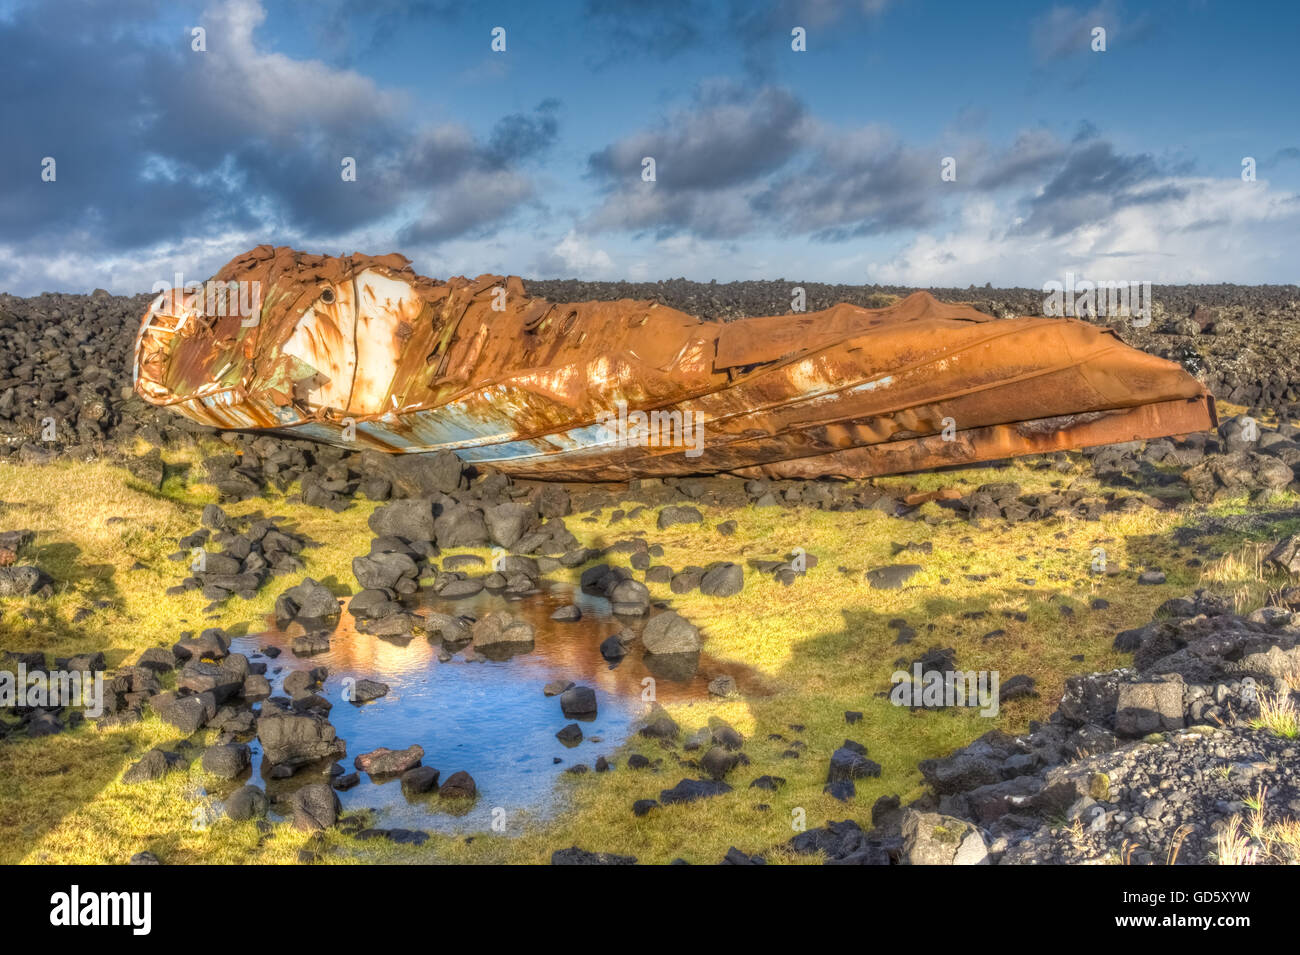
[362, 352]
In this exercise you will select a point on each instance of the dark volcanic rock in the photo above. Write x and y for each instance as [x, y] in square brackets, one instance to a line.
[507, 523]
[315, 806]
[842, 843]
[388, 762]
[579, 701]
[366, 690]
[308, 599]
[293, 739]
[187, 713]
[1190, 699]
[668, 632]
[679, 515]
[226, 760]
[459, 785]
[420, 779]
[850, 762]
[23, 581]
[570, 735]
[576, 856]
[411, 519]
[893, 576]
[722, 580]
[155, 764]
[247, 802]
[461, 526]
[689, 790]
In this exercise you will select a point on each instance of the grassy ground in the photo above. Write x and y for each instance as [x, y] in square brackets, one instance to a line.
[821, 646]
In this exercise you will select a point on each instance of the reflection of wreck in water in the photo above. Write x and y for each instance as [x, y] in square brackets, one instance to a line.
[569, 650]
[489, 718]
[361, 351]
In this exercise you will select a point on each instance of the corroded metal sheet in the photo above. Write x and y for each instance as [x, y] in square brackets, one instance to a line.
[362, 352]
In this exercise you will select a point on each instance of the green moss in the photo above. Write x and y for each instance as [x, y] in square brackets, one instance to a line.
[1099, 787]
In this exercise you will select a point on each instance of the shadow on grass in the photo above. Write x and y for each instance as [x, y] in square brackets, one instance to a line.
[89, 585]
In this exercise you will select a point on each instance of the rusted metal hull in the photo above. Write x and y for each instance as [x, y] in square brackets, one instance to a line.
[361, 352]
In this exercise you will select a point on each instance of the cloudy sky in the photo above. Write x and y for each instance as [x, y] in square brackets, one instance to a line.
[823, 164]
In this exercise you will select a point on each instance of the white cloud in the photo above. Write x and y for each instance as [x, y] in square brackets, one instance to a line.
[273, 92]
[127, 274]
[577, 256]
[1213, 230]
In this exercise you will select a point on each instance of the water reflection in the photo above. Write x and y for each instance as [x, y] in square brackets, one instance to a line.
[487, 717]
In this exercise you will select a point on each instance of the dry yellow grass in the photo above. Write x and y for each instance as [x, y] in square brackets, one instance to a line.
[1254, 840]
[1278, 715]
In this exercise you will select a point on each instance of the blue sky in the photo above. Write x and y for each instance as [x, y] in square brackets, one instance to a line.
[820, 165]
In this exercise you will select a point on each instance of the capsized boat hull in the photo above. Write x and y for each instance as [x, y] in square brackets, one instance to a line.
[361, 352]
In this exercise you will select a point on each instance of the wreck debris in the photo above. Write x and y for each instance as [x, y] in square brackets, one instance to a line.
[361, 352]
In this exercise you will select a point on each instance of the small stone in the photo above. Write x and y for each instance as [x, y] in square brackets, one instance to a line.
[570, 735]
[724, 685]
[841, 789]
[578, 701]
[459, 785]
[421, 779]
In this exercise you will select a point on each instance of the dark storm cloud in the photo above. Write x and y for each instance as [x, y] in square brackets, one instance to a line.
[520, 136]
[1098, 168]
[479, 201]
[85, 102]
[726, 140]
[854, 184]
[154, 142]
[726, 137]
[482, 183]
[735, 163]
[1030, 157]
[1096, 181]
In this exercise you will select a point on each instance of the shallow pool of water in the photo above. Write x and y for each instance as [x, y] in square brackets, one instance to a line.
[487, 717]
